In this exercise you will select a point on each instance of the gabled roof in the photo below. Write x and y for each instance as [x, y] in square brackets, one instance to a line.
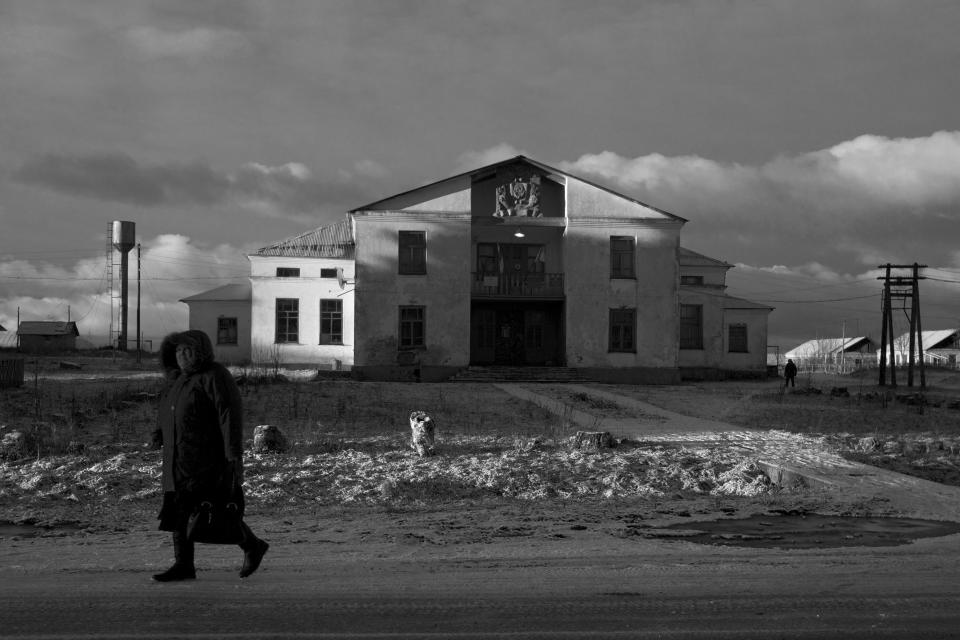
[491, 167]
[689, 258]
[47, 328]
[826, 346]
[226, 293]
[930, 339]
[332, 241]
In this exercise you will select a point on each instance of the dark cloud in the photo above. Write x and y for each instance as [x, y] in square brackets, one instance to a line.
[222, 14]
[119, 178]
[285, 189]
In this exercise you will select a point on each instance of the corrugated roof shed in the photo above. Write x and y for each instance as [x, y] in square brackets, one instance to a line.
[333, 241]
[825, 347]
[47, 328]
[931, 339]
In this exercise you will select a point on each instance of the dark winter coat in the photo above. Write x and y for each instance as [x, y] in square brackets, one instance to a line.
[200, 428]
[790, 370]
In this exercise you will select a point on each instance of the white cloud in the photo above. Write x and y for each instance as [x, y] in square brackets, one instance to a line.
[859, 203]
[172, 267]
[469, 160]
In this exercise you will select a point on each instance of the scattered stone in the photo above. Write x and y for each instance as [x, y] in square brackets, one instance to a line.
[593, 440]
[268, 439]
[13, 445]
[867, 444]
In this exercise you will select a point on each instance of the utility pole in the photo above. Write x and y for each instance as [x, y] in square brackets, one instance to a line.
[901, 287]
[138, 303]
[843, 346]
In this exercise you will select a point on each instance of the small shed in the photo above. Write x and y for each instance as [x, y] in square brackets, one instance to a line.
[46, 336]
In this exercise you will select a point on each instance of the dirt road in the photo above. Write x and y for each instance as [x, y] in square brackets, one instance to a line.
[412, 575]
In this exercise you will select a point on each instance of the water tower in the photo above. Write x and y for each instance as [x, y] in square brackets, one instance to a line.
[124, 239]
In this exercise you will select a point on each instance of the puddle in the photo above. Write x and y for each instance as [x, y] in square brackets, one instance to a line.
[808, 531]
[12, 529]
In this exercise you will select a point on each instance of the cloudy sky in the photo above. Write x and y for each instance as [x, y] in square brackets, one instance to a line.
[806, 141]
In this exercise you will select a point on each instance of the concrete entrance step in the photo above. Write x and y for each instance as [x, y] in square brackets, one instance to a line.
[498, 373]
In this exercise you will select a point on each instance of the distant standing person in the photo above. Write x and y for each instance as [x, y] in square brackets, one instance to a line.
[200, 429]
[789, 374]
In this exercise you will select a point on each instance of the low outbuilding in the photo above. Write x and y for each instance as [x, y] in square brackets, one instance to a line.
[47, 336]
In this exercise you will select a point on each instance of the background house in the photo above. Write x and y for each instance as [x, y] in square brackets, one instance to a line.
[941, 347]
[834, 353]
[47, 336]
[515, 264]
[717, 332]
[224, 315]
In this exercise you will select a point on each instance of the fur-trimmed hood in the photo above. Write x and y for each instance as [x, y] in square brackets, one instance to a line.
[194, 338]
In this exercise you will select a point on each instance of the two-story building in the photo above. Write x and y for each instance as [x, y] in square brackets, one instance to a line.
[516, 263]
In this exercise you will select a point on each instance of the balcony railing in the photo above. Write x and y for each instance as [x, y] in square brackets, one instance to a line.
[518, 285]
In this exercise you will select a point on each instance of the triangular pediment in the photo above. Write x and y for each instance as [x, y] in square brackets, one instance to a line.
[513, 188]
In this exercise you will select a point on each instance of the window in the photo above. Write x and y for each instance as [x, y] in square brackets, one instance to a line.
[691, 326]
[413, 252]
[622, 329]
[696, 280]
[621, 257]
[288, 272]
[487, 258]
[412, 329]
[288, 320]
[328, 273]
[226, 331]
[331, 322]
[737, 338]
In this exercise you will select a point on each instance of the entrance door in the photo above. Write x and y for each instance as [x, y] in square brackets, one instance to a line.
[508, 348]
[515, 335]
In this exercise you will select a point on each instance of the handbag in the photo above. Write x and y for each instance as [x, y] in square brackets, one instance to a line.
[216, 523]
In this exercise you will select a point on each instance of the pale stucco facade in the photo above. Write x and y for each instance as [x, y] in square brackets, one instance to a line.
[517, 264]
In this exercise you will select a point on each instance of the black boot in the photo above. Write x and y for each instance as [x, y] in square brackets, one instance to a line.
[253, 551]
[182, 568]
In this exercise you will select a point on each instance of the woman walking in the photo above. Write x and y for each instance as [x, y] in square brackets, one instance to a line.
[200, 429]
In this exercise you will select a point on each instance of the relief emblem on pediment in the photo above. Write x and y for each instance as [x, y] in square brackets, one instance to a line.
[519, 197]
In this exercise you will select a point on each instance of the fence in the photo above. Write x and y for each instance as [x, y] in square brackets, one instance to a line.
[11, 373]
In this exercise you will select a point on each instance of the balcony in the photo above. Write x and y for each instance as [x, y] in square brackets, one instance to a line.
[517, 285]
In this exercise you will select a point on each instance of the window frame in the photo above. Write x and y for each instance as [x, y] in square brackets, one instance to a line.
[411, 331]
[328, 272]
[411, 253]
[745, 339]
[332, 318]
[286, 318]
[620, 267]
[684, 341]
[288, 272]
[622, 330]
[221, 329]
[692, 281]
